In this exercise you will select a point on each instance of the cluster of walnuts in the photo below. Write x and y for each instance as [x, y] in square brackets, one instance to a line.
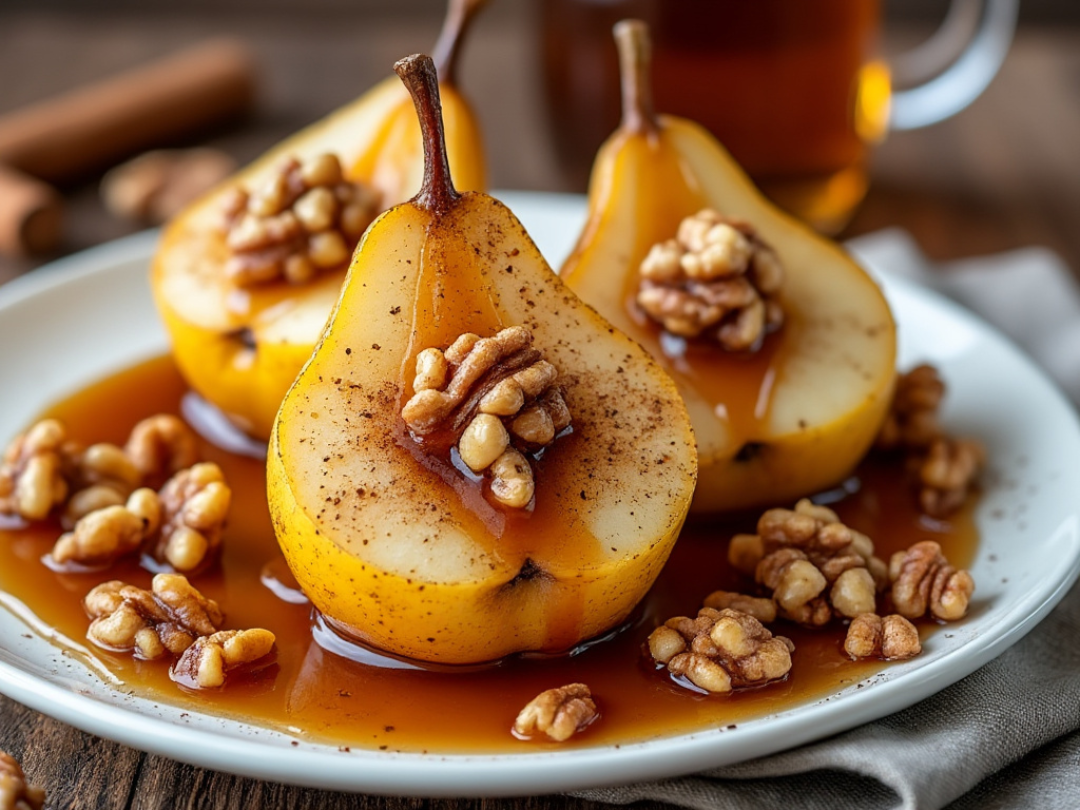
[172, 620]
[810, 569]
[105, 495]
[816, 569]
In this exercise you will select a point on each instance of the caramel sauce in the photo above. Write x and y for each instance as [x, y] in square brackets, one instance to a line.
[360, 699]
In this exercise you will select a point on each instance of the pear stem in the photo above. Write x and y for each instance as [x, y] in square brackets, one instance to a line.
[459, 16]
[418, 73]
[635, 65]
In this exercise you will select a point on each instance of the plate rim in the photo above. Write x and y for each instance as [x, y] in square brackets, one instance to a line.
[507, 774]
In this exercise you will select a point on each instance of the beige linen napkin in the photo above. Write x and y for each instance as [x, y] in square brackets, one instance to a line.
[1007, 736]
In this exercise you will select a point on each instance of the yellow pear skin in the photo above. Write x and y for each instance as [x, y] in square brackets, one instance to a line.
[794, 420]
[394, 544]
[241, 348]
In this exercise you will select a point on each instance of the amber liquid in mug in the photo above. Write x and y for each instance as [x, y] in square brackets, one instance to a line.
[790, 87]
[342, 694]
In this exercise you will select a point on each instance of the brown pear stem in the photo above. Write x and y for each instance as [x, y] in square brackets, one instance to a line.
[418, 73]
[635, 65]
[459, 16]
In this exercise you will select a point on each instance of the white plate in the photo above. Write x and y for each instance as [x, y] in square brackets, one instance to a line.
[91, 314]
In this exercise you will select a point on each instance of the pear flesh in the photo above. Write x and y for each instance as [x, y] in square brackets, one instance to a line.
[401, 549]
[814, 412]
[242, 348]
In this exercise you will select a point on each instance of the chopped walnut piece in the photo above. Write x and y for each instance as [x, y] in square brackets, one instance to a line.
[160, 446]
[912, 421]
[496, 400]
[105, 535]
[559, 713]
[716, 279]
[304, 219]
[947, 474]
[764, 610]
[812, 563]
[923, 580]
[163, 621]
[32, 480]
[207, 662]
[796, 585]
[194, 503]
[15, 793]
[892, 637]
[721, 650]
[945, 469]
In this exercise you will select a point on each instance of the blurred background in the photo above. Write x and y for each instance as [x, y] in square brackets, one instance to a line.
[999, 175]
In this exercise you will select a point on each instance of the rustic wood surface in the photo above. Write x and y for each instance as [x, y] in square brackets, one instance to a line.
[1003, 174]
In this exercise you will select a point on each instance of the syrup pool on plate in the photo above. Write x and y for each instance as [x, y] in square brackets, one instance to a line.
[322, 688]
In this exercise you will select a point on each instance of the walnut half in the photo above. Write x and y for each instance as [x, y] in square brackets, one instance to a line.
[559, 713]
[923, 580]
[721, 650]
[15, 793]
[182, 523]
[496, 400]
[893, 638]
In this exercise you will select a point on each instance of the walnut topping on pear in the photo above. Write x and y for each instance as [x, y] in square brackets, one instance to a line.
[497, 399]
[716, 279]
[304, 219]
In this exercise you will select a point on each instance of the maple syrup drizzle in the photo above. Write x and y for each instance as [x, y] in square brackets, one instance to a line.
[312, 690]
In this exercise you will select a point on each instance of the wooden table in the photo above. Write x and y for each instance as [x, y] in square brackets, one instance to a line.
[1004, 174]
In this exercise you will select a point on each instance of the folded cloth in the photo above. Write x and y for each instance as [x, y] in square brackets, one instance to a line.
[1007, 736]
[1028, 294]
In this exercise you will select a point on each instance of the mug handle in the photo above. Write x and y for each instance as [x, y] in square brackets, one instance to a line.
[963, 81]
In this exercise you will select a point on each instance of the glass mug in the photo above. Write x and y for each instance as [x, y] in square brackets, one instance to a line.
[795, 89]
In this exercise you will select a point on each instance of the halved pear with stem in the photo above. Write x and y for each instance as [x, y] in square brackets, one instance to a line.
[390, 534]
[241, 347]
[772, 425]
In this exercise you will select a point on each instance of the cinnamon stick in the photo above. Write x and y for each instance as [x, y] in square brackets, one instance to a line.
[65, 138]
